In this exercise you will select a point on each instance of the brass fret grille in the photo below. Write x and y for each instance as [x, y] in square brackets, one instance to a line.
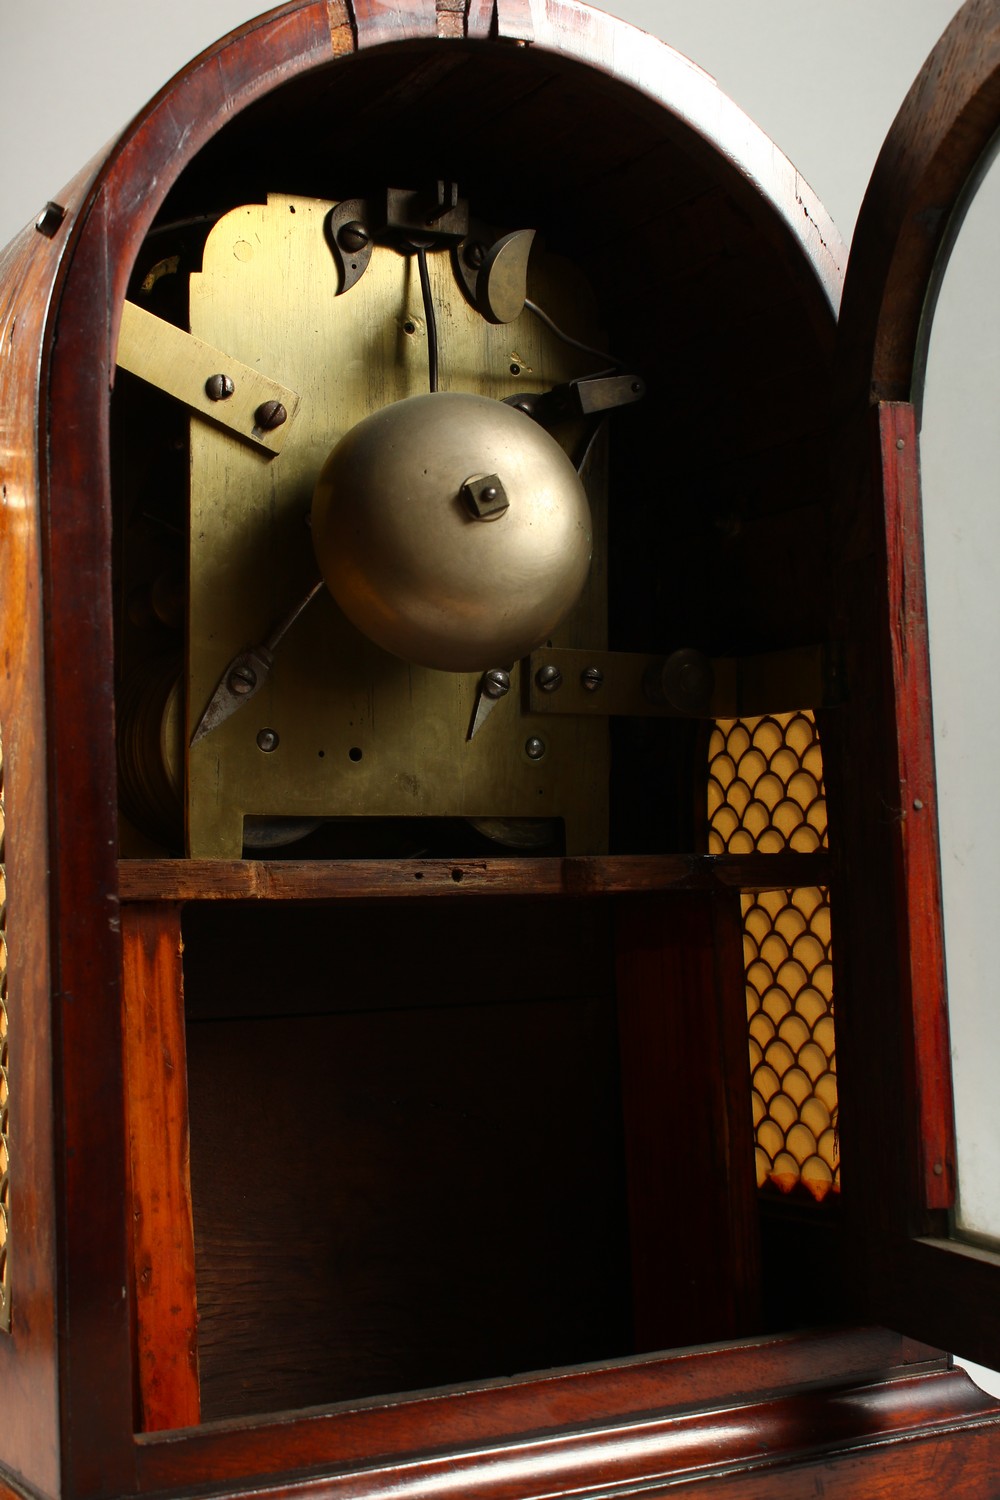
[4, 1173]
[766, 794]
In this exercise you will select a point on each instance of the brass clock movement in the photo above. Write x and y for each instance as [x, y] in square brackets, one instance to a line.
[394, 590]
[397, 495]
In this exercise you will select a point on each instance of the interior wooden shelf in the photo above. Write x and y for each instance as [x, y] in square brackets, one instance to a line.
[595, 875]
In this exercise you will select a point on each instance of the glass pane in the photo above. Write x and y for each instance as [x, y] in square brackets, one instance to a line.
[960, 458]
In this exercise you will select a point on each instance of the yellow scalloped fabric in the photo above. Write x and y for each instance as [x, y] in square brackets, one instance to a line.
[766, 795]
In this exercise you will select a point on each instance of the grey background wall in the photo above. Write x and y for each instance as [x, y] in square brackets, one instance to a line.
[824, 81]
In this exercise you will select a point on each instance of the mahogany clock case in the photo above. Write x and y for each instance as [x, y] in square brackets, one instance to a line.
[405, 1109]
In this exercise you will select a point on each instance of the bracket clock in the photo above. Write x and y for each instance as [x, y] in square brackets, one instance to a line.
[453, 560]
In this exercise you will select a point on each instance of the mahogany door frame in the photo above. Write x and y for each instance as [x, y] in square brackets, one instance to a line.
[898, 1125]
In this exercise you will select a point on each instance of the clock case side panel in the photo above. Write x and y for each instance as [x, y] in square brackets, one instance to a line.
[29, 1337]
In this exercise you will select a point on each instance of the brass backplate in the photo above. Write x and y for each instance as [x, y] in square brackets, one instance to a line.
[361, 733]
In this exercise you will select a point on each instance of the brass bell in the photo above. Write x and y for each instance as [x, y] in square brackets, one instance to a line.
[452, 530]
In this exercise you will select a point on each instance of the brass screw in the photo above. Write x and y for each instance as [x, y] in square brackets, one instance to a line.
[270, 415]
[219, 388]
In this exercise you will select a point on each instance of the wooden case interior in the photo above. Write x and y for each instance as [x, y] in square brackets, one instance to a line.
[443, 1140]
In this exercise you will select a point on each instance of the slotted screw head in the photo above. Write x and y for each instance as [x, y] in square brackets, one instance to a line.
[219, 388]
[591, 678]
[549, 678]
[242, 680]
[270, 415]
[496, 683]
[353, 237]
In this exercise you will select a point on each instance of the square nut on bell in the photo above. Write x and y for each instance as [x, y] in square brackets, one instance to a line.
[485, 496]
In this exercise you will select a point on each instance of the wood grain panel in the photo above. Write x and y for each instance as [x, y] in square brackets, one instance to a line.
[29, 1435]
[599, 1397]
[160, 1197]
[480, 17]
[390, 1199]
[514, 21]
[283, 880]
[792, 1445]
[921, 932]
[688, 1128]
[379, 21]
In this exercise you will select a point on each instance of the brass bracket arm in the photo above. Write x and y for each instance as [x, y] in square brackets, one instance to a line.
[686, 684]
[211, 383]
